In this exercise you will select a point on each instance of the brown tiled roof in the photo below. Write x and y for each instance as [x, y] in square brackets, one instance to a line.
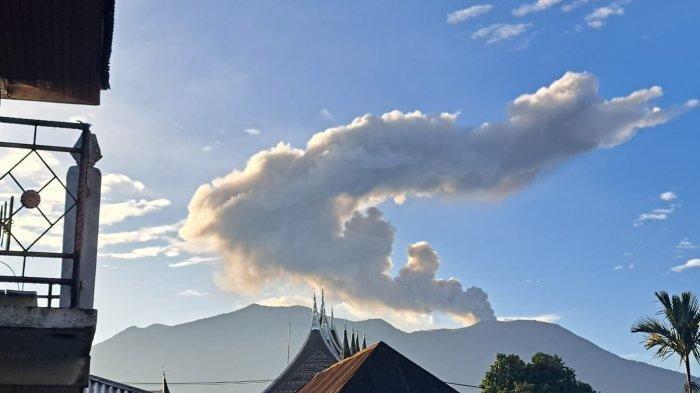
[55, 51]
[379, 368]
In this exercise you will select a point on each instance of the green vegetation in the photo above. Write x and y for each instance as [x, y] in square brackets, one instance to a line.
[544, 374]
[677, 332]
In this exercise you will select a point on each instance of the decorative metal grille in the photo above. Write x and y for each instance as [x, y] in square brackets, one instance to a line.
[30, 199]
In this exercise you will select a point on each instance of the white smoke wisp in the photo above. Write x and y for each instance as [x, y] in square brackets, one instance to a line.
[310, 216]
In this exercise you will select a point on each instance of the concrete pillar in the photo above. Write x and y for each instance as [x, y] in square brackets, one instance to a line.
[88, 262]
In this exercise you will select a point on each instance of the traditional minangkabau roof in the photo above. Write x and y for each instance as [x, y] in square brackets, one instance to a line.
[103, 385]
[320, 350]
[376, 369]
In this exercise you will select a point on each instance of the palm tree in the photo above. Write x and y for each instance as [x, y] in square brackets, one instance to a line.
[678, 332]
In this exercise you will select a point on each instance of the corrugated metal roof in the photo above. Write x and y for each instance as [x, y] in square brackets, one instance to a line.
[55, 51]
[376, 369]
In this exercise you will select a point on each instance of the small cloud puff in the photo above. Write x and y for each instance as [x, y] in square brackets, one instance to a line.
[537, 6]
[192, 293]
[463, 15]
[668, 196]
[596, 19]
[500, 32]
[692, 263]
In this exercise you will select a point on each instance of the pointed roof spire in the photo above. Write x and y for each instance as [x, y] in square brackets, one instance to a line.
[353, 344]
[165, 383]
[364, 341]
[346, 346]
[323, 307]
[315, 322]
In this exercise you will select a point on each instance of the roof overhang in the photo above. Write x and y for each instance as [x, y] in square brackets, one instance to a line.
[55, 51]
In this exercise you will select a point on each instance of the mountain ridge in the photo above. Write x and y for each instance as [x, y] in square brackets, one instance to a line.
[251, 343]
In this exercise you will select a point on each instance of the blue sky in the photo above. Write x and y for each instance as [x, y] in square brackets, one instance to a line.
[199, 88]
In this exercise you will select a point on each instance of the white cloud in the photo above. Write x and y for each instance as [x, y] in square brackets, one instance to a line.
[120, 187]
[208, 148]
[548, 318]
[196, 260]
[253, 131]
[143, 252]
[685, 244]
[668, 196]
[138, 236]
[460, 16]
[500, 31]
[575, 4]
[660, 214]
[116, 182]
[596, 19]
[326, 114]
[623, 267]
[112, 213]
[537, 6]
[692, 263]
[310, 215]
[193, 293]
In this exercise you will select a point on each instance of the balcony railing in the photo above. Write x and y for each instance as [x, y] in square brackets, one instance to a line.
[33, 214]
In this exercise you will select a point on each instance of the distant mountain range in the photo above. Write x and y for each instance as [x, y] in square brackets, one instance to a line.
[251, 343]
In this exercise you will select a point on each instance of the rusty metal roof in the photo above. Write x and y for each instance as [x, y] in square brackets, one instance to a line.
[378, 368]
[56, 51]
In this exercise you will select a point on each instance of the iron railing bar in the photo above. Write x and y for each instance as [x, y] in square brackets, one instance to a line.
[38, 254]
[24, 269]
[15, 166]
[16, 182]
[64, 214]
[30, 146]
[44, 123]
[47, 184]
[14, 213]
[18, 242]
[43, 215]
[55, 175]
[36, 280]
[45, 231]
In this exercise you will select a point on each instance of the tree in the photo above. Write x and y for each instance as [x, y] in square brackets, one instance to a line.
[544, 374]
[678, 332]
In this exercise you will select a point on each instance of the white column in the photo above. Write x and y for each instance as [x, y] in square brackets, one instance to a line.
[91, 223]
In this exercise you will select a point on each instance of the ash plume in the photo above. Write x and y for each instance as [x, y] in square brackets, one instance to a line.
[310, 215]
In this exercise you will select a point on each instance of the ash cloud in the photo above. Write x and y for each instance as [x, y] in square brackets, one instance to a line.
[310, 215]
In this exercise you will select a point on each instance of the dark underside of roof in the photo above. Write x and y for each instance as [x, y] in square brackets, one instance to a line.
[377, 369]
[55, 51]
[99, 384]
[313, 358]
